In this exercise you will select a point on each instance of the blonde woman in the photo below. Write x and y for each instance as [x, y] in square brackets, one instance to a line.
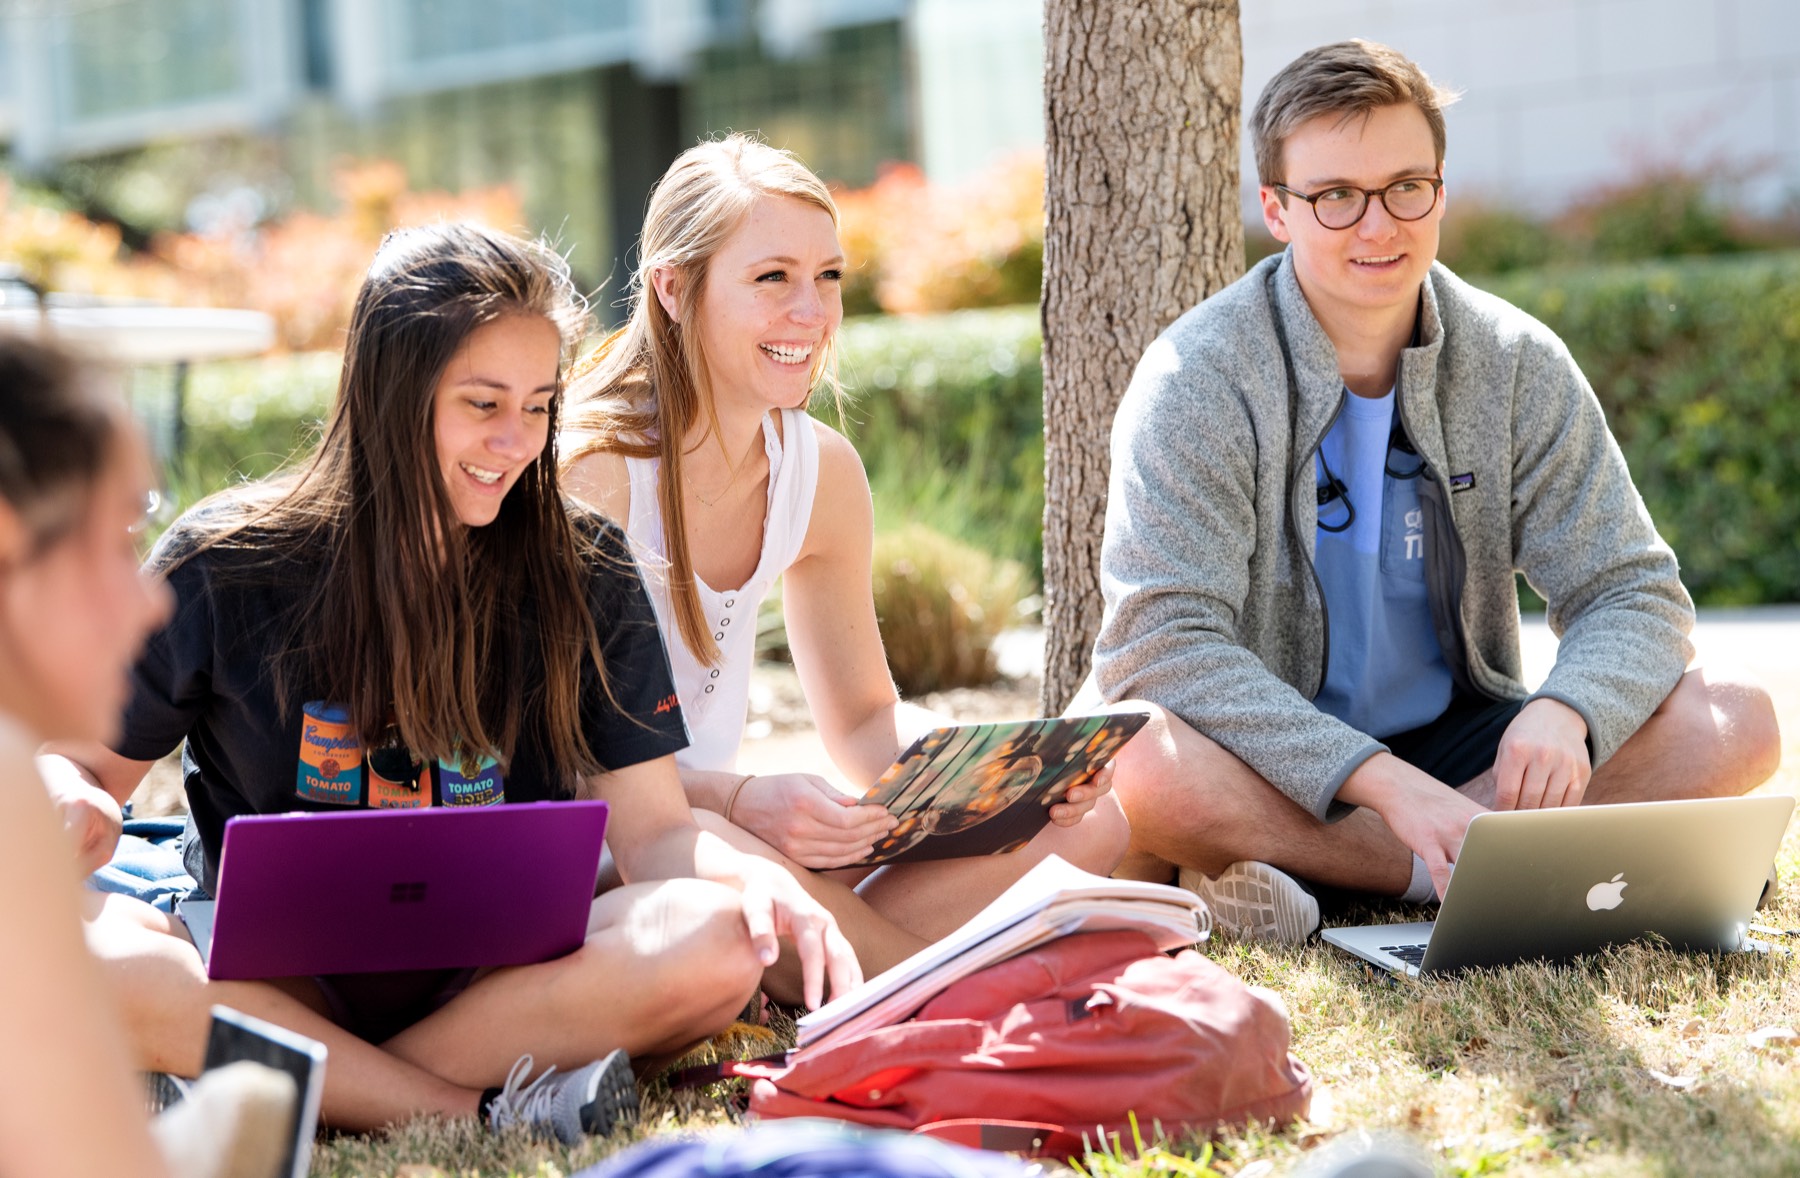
[689, 426]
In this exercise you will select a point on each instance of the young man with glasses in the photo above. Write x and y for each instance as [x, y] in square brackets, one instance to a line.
[1324, 478]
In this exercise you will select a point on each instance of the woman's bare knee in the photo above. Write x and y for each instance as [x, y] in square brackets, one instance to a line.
[691, 959]
[1098, 843]
[159, 985]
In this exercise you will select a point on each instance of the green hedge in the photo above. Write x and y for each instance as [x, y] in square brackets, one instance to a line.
[247, 417]
[947, 412]
[1698, 366]
[1697, 363]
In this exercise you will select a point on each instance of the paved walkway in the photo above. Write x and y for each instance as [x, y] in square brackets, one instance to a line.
[1763, 642]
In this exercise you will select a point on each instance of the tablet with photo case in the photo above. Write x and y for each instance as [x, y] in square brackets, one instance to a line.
[981, 789]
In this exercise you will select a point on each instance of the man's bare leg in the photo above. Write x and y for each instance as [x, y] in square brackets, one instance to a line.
[1193, 804]
[1715, 736]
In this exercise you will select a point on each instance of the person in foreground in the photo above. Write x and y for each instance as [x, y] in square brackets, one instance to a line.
[1323, 480]
[73, 612]
[419, 593]
[690, 426]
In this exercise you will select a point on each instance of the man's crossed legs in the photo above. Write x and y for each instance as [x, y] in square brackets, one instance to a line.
[1193, 805]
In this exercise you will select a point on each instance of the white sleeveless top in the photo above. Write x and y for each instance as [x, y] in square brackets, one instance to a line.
[716, 700]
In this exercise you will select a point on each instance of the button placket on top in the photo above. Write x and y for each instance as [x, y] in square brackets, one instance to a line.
[719, 636]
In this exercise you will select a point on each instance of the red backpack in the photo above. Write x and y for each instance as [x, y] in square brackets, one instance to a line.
[1069, 1039]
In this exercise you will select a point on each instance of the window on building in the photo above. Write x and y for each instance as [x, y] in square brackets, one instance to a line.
[843, 110]
[434, 30]
[129, 56]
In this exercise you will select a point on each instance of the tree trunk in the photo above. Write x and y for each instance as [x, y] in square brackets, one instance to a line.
[1141, 110]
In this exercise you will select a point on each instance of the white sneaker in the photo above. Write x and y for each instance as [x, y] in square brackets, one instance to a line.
[1256, 901]
[235, 1122]
[571, 1105]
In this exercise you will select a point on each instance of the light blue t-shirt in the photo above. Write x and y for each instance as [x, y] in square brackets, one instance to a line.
[1386, 672]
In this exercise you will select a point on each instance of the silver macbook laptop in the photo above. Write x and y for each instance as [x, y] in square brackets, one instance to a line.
[1550, 884]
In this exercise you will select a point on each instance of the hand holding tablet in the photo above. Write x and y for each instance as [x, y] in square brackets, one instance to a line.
[981, 789]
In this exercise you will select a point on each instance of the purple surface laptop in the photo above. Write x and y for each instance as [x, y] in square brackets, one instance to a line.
[376, 890]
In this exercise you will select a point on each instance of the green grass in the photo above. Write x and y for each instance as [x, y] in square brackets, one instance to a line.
[1636, 1061]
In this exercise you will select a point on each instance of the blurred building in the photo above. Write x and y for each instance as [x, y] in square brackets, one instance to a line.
[1563, 97]
[580, 103]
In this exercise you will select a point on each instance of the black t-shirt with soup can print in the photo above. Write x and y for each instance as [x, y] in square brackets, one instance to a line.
[206, 679]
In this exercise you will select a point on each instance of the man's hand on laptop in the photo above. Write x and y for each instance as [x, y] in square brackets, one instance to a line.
[1424, 813]
[1543, 761]
[776, 907]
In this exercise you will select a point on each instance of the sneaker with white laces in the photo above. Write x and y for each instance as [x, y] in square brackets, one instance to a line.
[593, 1100]
[1256, 901]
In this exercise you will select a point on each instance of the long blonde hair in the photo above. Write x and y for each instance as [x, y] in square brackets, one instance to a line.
[646, 386]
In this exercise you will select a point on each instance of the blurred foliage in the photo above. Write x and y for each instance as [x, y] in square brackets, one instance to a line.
[1486, 239]
[60, 250]
[918, 247]
[303, 269]
[941, 605]
[1697, 363]
[1666, 215]
[1661, 212]
[246, 418]
[948, 415]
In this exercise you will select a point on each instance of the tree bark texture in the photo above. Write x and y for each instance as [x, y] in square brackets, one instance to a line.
[1141, 103]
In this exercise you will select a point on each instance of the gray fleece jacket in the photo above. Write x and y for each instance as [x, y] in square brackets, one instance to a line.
[1213, 608]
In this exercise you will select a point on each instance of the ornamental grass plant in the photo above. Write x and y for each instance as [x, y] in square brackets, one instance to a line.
[941, 605]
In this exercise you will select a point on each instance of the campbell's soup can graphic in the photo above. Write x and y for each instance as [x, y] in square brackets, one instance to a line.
[485, 786]
[411, 792]
[330, 769]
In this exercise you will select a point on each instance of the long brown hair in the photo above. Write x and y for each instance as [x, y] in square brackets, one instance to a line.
[646, 386]
[413, 615]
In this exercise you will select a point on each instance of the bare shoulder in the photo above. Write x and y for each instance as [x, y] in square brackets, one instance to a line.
[601, 481]
[843, 516]
[840, 466]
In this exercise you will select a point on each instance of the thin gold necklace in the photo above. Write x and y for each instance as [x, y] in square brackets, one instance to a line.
[736, 467]
[714, 501]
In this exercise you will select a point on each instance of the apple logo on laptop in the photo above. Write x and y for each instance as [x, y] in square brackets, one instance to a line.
[1607, 895]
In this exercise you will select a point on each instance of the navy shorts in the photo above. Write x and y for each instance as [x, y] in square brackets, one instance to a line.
[1461, 744]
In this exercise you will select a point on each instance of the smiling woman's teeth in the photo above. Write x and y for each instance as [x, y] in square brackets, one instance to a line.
[485, 477]
[1376, 261]
[797, 355]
